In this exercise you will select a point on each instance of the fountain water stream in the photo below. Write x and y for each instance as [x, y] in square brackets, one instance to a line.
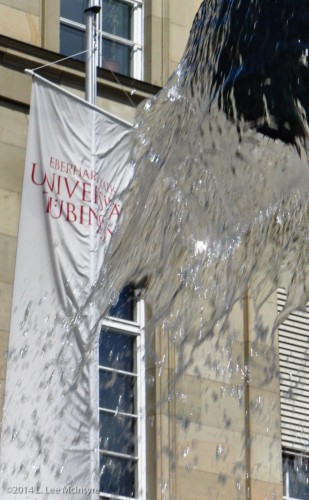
[219, 197]
[218, 205]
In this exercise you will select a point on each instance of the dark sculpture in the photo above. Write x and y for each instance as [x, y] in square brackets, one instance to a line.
[253, 56]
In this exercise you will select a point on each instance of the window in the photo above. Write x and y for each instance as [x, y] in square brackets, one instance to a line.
[122, 400]
[294, 396]
[120, 33]
[294, 377]
[295, 477]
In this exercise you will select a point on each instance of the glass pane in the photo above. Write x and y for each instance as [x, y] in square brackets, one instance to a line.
[73, 10]
[117, 18]
[116, 392]
[298, 471]
[117, 476]
[124, 309]
[117, 57]
[116, 350]
[72, 42]
[117, 433]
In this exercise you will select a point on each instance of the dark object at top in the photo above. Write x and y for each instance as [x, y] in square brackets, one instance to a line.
[251, 56]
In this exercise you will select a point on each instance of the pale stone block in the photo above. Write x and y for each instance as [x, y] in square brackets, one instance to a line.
[189, 402]
[210, 403]
[6, 304]
[51, 25]
[13, 124]
[166, 443]
[222, 405]
[154, 67]
[157, 8]
[272, 299]
[178, 39]
[265, 413]
[148, 46]
[20, 25]
[260, 490]
[151, 455]
[152, 405]
[9, 212]
[172, 66]
[15, 85]
[265, 458]
[261, 322]
[30, 6]
[197, 4]
[264, 367]
[166, 395]
[211, 449]
[182, 13]
[12, 161]
[219, 358]
[201, 485]
[4, 339]
[7, 257]
[236, 320]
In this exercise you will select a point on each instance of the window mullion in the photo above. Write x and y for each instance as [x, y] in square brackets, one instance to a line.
[135, 3]
[141, 401]
[73, 24]
[125, 327]
[118, 39]
[120, 372]
[116, 412]
[119, 455]
[138, 22]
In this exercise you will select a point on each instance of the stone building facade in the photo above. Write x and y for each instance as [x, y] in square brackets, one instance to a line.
[209, 443]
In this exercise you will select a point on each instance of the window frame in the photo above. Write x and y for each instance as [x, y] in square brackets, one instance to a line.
[136, 44]
[135, 329]
[286, 479]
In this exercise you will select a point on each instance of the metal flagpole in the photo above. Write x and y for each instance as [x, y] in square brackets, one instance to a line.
[91, 45]
[90, 95]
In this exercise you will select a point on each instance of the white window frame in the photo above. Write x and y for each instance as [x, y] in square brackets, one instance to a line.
[135, 329]
[137, 43]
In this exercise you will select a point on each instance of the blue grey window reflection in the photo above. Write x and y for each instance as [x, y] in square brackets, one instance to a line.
[295, 477]
[73, 9]
[124, 309]
[115, 33]
[117, 18]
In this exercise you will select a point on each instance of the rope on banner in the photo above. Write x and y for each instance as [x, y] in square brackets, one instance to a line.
[78, 54]
[124, 90]
[60, 60]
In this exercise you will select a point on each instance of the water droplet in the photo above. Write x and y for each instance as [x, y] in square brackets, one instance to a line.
[219, 451]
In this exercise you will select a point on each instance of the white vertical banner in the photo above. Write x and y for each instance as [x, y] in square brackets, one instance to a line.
[76, 164]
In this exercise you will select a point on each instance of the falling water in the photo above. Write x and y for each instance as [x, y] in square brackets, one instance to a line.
[218, 207]
[218, 203]
[214, 220]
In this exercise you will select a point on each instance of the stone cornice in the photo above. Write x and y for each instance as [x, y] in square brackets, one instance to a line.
[17, 56]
